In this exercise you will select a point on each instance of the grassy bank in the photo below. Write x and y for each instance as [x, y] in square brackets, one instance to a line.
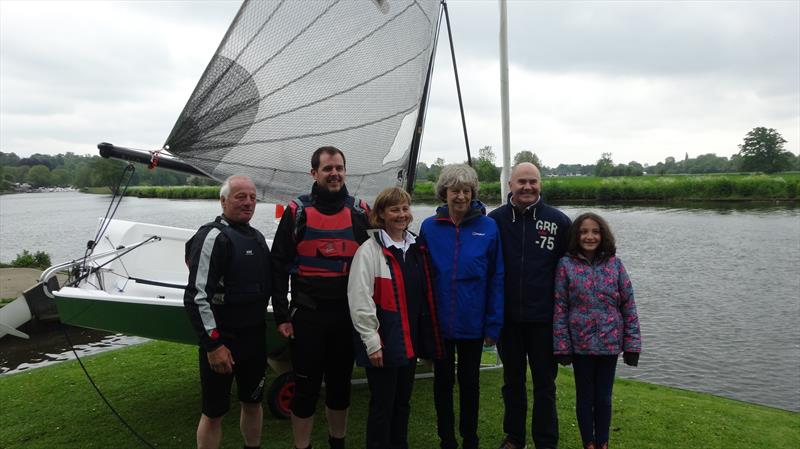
[155, 387]
[97, 190]
[717, 187]
[725, 187]
[175, 192]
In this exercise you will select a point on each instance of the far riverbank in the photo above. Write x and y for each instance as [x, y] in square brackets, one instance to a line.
[739, 187]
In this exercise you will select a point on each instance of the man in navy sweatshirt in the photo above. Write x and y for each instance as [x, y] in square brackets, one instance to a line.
[534, 237]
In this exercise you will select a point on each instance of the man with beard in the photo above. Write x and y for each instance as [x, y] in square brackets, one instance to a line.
[315, 244]
[534, 236]
[226, 299]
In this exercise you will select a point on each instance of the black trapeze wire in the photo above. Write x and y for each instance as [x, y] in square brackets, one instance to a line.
[458, 85]
[110, 212]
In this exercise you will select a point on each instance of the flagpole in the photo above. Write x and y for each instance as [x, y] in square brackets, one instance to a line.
[504, 174]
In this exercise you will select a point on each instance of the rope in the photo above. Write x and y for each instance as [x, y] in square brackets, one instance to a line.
[133, 431]
[116, 195]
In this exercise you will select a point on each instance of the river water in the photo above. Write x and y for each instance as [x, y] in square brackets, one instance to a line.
[717, 288]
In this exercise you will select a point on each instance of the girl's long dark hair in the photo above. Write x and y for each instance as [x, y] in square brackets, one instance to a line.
[608, 246]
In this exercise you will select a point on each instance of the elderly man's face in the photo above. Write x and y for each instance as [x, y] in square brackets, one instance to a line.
[240, 205]
[525, 185]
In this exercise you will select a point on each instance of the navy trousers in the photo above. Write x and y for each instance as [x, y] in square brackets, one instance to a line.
[594, 381]
[522, 345]
[389, 406]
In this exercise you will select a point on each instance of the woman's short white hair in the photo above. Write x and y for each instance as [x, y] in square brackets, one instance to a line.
[457, 175]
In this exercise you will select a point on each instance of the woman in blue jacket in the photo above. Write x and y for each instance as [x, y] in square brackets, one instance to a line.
[467, 260]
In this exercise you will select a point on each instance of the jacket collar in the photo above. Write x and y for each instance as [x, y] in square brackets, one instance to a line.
[476, 209]
[516, 210]
[385, 242]
[224, 221]
[328, 201]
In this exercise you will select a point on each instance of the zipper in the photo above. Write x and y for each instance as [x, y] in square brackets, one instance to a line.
[453, 280]
[522, 266]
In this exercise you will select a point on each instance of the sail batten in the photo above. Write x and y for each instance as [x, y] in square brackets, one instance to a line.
[290, 77]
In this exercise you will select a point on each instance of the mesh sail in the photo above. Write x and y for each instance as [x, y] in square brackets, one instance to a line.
[292, 76]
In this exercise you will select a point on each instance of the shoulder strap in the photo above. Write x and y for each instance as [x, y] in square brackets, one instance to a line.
[357, 204]
[297, 206]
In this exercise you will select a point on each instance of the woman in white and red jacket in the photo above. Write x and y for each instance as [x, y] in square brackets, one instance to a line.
[394, 314]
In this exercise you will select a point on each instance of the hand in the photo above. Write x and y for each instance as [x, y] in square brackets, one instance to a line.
[376, 358]
[286, 329]
[221, 360]
[631, 358]
[564, 359]
[489, 341]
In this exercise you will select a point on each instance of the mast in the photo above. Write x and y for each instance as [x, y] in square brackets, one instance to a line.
[504, 174]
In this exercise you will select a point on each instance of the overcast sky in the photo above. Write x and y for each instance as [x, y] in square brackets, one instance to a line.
[641, 80]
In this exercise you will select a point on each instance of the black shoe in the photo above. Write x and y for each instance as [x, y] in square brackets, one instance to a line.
[509, 443]
[336, 443]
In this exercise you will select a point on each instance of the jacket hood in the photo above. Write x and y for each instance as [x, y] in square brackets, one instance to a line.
[599, 257]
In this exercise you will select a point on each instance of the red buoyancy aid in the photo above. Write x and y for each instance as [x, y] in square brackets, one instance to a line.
[328, 243]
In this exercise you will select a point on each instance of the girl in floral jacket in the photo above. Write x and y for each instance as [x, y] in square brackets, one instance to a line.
[594, 321]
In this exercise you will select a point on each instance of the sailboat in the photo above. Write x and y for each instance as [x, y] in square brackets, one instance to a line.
[287, 78]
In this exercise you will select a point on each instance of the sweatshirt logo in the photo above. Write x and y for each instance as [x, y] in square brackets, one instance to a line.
[248, 252]
[545, 229]
[481, 234]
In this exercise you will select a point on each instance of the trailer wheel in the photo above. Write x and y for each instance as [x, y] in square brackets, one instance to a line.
[280, 394]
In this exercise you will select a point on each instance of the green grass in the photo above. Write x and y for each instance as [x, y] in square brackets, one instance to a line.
[96, 190]
[667, 188]
[155, 387]
[717, 187]
[175, 192]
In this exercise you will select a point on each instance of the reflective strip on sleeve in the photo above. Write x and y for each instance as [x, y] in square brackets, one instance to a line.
[201, 280]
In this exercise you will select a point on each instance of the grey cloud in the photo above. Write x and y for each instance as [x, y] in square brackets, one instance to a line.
[640, 38]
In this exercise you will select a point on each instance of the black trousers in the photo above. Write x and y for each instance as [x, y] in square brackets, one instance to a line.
[520, 345]
[322, 349]
[468, 354]
[249, 351]
[389, 406]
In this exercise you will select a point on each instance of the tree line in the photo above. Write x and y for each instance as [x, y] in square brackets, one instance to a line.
[762, 150]
[72, 170]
